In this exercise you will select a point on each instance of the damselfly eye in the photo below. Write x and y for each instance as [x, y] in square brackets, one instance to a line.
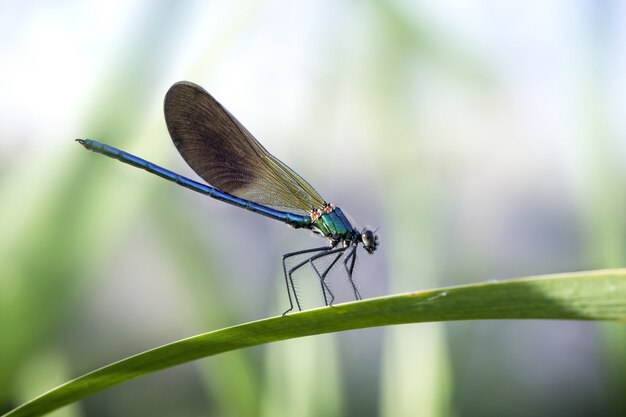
[369, 240]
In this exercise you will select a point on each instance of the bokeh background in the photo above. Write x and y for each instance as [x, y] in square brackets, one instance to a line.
[487, 139]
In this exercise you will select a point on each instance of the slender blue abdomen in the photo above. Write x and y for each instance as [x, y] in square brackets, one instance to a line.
[292, 219]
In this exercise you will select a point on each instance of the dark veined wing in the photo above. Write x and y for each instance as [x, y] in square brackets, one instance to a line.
[223, 153]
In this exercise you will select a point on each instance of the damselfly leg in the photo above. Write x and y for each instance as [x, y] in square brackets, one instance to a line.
[322, 276]
[351, 259]
[289, 280]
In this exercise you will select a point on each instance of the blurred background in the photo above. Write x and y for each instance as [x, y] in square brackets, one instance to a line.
[485, 138]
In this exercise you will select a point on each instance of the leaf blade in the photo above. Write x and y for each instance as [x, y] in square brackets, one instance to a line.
[593, 295]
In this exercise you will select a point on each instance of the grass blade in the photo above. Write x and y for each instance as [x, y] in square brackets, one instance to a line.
[595, 295]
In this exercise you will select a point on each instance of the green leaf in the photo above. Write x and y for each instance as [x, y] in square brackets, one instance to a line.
[595, 295]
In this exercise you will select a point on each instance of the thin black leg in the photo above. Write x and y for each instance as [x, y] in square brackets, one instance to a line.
[289, 281]
[322, 276]
[350, 270]
[327, 251]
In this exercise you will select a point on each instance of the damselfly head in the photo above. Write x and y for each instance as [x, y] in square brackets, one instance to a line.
[370, 240]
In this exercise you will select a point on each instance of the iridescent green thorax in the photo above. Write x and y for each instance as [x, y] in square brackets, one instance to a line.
[334, 225]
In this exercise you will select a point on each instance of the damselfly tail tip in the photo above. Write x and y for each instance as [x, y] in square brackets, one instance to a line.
[87, 143]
